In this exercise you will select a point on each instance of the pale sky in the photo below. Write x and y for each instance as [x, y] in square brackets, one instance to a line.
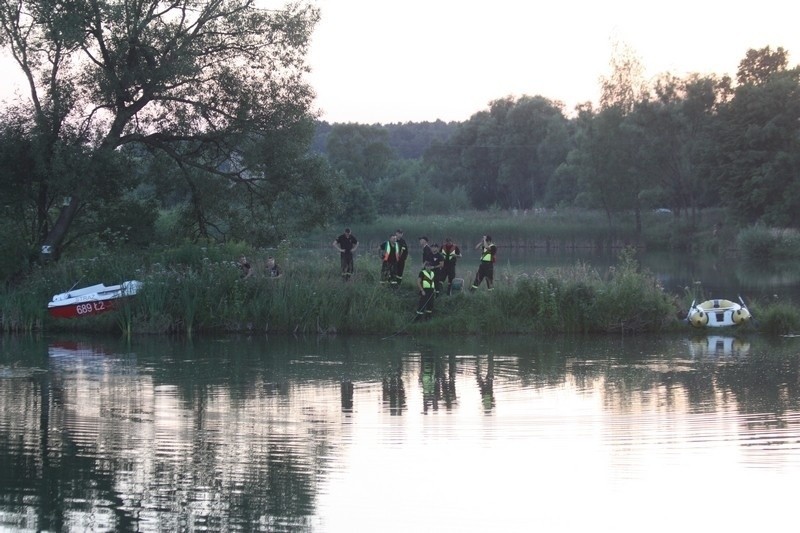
[422, 60]
[375, 61]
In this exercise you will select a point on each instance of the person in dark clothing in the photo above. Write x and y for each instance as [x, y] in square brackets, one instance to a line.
[273, 270]
[245, 266]
[425, 284]
[486, 267]
[346, 243]
[437, 264]
[390, 253]
[427, 253]
[401, 261]
[451, 252]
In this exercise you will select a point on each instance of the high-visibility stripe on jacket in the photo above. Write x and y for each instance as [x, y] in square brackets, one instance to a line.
[487, 253]
[388, 250]
[427, 279]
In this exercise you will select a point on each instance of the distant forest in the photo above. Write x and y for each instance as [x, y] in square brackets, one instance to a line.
[408, 140]
[674, 144]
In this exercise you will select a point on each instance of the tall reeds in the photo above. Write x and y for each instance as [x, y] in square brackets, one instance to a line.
[564, 228]
[311, 298]
[197, 290]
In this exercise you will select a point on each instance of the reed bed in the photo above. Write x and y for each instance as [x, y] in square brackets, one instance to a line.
[564, 228]
[189, 290]
[187, 293]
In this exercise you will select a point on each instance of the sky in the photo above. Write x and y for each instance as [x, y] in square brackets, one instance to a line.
[375, 61]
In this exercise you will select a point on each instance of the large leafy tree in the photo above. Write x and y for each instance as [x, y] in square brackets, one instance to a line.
[609, 142]
[759, 141]
[676, 141]
[535, 142]
[505, 156]
[360, 151]
[208, 84]
[603, 160]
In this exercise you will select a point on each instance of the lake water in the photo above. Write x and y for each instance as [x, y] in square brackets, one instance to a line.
[653, 433]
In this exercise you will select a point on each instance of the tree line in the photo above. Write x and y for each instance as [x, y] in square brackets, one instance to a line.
[679, 144]
[169, 122]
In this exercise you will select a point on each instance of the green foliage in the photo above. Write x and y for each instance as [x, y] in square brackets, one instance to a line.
[358, 205]
[778, 319]
[633, 300]
[504, 156]
[230, 111]
[517, 228]
[758, 66]
[758, 141]
[16, 251]
[360, 151]
[606, 160]
[128, 222]
[191, 289]
[759, 244]
[407, 140]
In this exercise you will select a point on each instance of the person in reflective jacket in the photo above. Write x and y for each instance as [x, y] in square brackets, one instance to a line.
[390, 255]
[486, 266]
[425, 284]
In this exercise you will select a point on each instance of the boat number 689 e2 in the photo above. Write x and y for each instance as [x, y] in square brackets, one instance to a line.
[85, 309]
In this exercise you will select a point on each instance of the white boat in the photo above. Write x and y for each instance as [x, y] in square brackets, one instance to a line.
[91, 300]
[718, 314]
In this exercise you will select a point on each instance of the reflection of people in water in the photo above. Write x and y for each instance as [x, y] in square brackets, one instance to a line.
[486, 384]
[449, 383]
[347, 396]
[346, 382]
[394, 393]
[430, 377]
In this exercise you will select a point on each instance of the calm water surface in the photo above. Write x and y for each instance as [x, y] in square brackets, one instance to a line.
[400, 434]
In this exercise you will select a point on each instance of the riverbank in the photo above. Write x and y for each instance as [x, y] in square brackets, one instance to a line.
[197, 291]
[191, 289]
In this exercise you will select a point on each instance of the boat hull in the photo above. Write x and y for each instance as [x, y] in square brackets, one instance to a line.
[91, 301]
[83, 309]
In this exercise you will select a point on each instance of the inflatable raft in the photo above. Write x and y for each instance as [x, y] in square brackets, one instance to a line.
[718, 314]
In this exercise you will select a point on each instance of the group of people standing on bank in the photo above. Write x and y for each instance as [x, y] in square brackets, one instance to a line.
[438, 265]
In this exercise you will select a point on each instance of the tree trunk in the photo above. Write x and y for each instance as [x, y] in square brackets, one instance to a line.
[52, 243]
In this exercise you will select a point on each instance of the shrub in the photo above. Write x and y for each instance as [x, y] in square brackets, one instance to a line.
[778, 319]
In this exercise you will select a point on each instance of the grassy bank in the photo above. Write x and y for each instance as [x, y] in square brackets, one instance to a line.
[193, 290]
[539, 228]
[555, 229]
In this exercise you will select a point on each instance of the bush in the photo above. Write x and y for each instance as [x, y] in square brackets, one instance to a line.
[778, 319]
[761, 244]
[14, 258]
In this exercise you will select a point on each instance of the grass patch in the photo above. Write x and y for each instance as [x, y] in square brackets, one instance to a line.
[203, 295]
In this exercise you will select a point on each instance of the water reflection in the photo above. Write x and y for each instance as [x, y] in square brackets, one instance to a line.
[430, 379]
[486, 383]
[394, 393]
[287, 434]
[710, 345]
